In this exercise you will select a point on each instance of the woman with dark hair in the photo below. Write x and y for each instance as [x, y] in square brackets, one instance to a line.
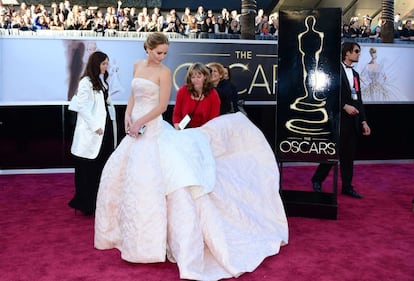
[94, 138]
[197, 101]
[227, 72]
[346, 32]
[221, 26]
[207, 25]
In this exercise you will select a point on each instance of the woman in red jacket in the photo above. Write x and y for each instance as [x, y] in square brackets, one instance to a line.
[197, 100]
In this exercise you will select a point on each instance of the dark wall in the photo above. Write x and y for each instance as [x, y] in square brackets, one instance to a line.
[392, 132]
[33, 137]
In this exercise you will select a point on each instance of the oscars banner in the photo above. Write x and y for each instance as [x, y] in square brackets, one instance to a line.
[308, 103]
[253, 66]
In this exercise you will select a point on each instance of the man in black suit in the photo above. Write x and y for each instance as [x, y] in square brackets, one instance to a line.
[353, 122]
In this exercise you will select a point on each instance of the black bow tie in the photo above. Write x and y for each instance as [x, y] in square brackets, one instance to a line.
[348, 66]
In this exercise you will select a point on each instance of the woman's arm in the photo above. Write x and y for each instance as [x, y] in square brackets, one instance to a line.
[128, 111]
[130, 106]
[85, 90]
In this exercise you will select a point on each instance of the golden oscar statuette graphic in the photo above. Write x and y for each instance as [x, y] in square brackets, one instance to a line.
[311, 105]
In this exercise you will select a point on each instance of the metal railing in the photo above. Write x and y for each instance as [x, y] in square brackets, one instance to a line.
[120, 34]
[111, 33]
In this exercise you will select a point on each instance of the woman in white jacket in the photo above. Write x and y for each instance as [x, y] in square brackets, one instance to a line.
[95, 133]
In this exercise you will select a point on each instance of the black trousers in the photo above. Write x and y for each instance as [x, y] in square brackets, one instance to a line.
[347, 148]
[88, 174]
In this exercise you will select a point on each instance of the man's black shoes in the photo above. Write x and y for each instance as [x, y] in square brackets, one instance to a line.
[351, 192]
[317, 187]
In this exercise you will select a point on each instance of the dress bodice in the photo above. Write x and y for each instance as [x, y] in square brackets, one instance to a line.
[146, 97]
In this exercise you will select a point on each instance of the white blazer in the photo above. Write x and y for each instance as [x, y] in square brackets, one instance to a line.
[90, 105]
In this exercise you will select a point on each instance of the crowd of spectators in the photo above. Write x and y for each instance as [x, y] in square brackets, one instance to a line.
[354, 29]
[200, 23]
[64, 16]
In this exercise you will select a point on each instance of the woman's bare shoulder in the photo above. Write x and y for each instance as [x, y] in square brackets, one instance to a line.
[137, 63]
[165, 68]
[139, 68]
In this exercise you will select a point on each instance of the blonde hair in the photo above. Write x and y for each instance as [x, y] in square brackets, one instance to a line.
[219, 67]
[154, 39]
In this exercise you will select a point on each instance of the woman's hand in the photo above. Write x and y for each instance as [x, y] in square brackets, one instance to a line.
[134, 129]
[99, 131]
[128, 123]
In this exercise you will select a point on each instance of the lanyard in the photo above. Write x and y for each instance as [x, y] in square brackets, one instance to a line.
[198, 101]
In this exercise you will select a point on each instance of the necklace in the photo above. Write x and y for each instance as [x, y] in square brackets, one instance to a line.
[196, 97]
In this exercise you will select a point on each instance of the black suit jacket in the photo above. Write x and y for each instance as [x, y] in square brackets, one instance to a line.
[351, 121]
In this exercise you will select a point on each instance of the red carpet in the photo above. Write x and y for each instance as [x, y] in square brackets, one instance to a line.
[372, 239]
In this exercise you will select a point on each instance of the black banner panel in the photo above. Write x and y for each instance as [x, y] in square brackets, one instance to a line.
[308, 103]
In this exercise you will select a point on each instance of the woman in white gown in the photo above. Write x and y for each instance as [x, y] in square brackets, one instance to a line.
[206, 198]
